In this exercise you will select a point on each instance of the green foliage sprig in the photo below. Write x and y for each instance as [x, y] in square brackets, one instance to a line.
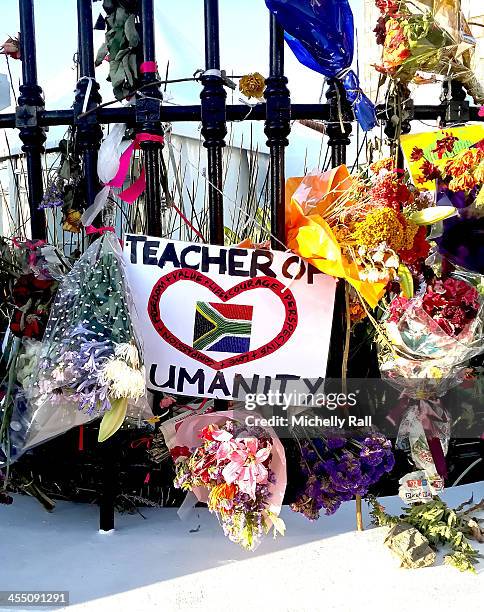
[441, 525]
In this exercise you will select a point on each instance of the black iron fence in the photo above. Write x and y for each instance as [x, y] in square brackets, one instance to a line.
[148, 114]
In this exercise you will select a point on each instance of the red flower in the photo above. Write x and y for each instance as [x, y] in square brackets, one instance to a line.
[387, 7]
[445, 144]
[419, 251]
[416, 154]
[179, 451]
[430, 171]
[380, 30]
[397, 307]
[390, 190]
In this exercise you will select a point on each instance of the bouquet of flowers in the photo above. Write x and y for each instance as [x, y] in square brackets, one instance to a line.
[361, 228]
[426, 36]
[428, 338]
[336, 469]
[456, 166]
[30, 272]
[239, 471]
[90, 356]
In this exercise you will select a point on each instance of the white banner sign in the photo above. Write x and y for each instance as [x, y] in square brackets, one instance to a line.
[220, 321]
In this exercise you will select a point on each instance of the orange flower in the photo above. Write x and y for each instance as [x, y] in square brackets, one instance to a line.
[396, 48]
[387, 163]
[463, 182]
[220, 497]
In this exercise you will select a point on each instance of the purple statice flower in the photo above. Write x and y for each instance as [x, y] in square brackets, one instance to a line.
[339, 471]
[336, 442]
[53, 197]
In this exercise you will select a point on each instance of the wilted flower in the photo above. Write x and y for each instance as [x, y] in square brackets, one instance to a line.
[11, 48]
[72, 221]
[252, 85]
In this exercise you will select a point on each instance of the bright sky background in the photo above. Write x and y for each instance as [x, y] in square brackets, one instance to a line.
[244, 30]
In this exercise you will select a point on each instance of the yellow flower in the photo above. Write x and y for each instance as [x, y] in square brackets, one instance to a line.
[252, 85]
[410, 231]
[479, 173]
[463, 182]
[380, 225]
[72, 221]
[463, 162]
[387, 163]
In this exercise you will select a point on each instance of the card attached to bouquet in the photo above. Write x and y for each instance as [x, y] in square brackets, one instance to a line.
[216, 321]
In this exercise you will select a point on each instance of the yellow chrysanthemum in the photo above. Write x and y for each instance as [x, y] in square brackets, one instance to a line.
[380, 225]
[252, 85]
[410, 231]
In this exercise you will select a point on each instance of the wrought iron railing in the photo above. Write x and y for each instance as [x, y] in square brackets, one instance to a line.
[149, 114]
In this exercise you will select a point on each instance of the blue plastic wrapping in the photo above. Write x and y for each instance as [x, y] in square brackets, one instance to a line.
[321, 35]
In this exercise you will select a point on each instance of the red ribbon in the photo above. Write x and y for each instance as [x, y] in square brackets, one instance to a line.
[144, 441]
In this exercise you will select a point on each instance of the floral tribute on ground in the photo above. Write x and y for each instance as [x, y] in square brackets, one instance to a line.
[91, 356]
[239, 471]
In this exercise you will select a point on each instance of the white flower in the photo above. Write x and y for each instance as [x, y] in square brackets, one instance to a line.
[378, 256]
[362, 250]
[128, 352]
[392, 262]
[122, 379]
[374, 275]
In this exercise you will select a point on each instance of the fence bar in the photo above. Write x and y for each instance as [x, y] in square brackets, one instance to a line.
[88, 130]
[30, 104]
[88, 140]
[213, 118]
[338, 130]
[214, 129]
[234, 112]
[148, 120]
[338, 127]
[277, 128]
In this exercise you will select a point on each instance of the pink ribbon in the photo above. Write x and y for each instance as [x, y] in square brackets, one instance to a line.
[31, 245]
[148, 67]
[133, 192]
[90, 229]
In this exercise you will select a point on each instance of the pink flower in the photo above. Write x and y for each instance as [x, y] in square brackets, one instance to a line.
[227, 444]
[481, 111]
[246, 467]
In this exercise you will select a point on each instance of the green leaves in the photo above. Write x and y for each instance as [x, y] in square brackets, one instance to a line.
[113, 419]
[440, 525]
[121, 43]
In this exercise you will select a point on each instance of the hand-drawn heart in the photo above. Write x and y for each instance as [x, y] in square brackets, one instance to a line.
[262, 282]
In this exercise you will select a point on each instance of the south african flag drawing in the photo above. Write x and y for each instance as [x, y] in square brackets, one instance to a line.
[222, 327]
